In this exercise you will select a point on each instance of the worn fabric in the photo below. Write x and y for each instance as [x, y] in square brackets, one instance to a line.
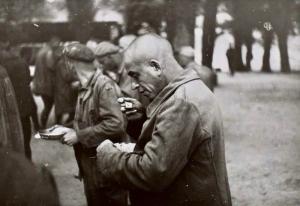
[19, 74]
[97, 117]
[179, 157]
[79, 52]
[205, 74]
[11, 134]
[64, 96]
[21, 183]
[43, 81]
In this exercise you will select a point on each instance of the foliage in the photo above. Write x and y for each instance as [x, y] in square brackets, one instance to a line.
[21, 10]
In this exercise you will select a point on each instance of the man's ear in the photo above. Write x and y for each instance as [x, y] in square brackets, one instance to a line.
[155, 64]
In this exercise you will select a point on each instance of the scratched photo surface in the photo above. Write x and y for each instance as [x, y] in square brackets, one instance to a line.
[248, 56]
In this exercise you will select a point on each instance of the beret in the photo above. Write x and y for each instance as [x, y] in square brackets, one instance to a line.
[187, 51]
[79, 52]
[105, 48]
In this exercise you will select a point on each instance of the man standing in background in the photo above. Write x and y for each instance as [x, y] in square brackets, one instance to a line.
[43, 81]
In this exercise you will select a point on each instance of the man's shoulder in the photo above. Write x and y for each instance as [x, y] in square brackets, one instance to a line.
[104, 82]
[194, 92]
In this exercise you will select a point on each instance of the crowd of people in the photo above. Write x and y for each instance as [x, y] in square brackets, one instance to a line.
[144, 123]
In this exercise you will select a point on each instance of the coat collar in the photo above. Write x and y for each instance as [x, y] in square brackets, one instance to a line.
[87, 89]
[184, 77]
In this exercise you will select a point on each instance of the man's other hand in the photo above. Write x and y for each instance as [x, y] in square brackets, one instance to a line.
[104, 144]
[70, 138]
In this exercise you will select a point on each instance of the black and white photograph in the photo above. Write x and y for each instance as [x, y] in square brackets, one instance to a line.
[149, 103]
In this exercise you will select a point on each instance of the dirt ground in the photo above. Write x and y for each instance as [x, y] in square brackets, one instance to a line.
[261, 115]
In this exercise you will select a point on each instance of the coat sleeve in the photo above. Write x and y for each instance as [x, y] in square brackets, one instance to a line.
[111, 125]
[164, 156]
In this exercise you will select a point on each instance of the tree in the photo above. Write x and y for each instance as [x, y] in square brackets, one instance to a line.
[21, 10]
[281, 17]
[81, 14]
[268, 39]
[180, 18]
[209, 34]
[139, 11]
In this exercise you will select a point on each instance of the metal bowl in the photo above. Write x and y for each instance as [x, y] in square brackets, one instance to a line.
[53, 133]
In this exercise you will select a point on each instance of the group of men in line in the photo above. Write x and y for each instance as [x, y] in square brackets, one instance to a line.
[144, 96]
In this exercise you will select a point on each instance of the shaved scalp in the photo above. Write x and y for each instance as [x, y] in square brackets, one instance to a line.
[148, 47]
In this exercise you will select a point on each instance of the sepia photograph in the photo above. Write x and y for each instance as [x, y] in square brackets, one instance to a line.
[150, 102]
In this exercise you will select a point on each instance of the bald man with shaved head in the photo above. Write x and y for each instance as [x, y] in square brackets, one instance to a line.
[179, 158]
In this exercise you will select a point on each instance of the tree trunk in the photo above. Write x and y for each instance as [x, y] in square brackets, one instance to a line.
[281, 16]
[237, 57]
[249, 55]
[209, 34]
[81, 14]
[284, 56]
[180, 19]
[268, 38]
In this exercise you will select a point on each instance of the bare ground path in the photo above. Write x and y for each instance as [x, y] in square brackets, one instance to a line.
[262, 126]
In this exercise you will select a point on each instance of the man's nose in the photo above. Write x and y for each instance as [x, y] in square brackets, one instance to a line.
[134, 85]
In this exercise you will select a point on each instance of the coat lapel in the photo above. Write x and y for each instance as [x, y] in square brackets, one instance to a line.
[186, 76]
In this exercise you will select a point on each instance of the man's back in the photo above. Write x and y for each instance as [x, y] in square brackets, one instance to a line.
[43, 76]
[193, 126]
[19, 75]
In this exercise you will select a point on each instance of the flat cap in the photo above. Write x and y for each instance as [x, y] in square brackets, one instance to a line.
[79, 52]
[105, 48]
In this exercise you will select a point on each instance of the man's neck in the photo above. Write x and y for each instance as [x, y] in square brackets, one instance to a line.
[84, 75]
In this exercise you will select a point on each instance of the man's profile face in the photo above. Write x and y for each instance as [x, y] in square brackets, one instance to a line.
[147, 79]
[110, 62]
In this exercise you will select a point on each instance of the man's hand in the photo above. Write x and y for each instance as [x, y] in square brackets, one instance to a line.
[104, 144]
[133, 109]
[70, 138]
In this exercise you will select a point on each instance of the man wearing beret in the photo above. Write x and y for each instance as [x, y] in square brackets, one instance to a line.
[179, 158]
[97, 118]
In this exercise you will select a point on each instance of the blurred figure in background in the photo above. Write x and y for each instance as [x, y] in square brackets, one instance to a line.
[11, 133]
[186, 60]
[230, 58]
[21, 183]
[43, 81]
[64, 95]
[19, 74]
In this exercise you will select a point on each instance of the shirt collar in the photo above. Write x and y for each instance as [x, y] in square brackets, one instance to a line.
[91, 80]
[185, 76]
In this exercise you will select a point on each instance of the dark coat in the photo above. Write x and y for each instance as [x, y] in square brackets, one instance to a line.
[19, 74]
[11, 133]
[43, 81]
[179, 158]
[21, 183]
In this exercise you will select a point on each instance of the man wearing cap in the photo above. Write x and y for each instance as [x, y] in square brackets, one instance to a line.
[186, 60]
[110, 56]
[179, 158]
[97, 118]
